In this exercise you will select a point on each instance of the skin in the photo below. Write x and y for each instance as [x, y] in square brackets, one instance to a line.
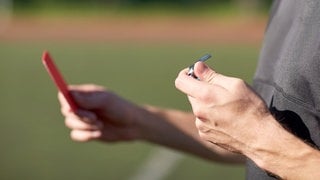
[229, 122]
[106, 117]
[230, 115]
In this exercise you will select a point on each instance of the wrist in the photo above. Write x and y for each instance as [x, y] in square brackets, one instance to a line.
[281, 153]
[146, 122]
[139, 121]
[147, 118]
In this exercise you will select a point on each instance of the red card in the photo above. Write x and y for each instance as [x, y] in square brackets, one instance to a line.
[58, 80]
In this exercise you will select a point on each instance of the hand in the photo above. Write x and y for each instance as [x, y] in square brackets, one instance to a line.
[228, 113]
[102, 115]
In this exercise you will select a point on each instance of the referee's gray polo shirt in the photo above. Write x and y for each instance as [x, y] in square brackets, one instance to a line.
[288, 72]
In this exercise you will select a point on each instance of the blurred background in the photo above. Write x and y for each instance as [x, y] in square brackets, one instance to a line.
[133, 47]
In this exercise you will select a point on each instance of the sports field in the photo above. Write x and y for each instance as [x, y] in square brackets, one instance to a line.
[35, 143]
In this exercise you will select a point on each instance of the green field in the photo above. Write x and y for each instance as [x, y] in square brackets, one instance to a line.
[35, 143]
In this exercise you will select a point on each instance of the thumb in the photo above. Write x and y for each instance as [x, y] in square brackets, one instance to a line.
[87, 100]
[91, 100]
[204, 73]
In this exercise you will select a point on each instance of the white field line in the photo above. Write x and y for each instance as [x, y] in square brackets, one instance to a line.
[158, 165]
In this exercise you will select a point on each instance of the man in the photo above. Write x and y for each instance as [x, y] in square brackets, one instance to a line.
[276, 126]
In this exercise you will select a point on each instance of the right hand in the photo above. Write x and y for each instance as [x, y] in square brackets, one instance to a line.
[102, 115]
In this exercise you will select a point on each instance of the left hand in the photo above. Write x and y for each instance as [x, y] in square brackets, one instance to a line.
[228, 112]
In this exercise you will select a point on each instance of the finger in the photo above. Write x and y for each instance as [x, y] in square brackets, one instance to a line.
[73, 122]
[87, 116]
[65, 107]
[187, 84]
[203, 72]
[89, 99]
[197, 89]
[112, 133]
[86, 88]
[201, 125]
[84, 136]
[200, 108]
[85, 95]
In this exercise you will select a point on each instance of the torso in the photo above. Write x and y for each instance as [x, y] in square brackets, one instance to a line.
[288, 72]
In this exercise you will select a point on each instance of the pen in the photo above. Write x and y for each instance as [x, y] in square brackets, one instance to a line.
[191, 68]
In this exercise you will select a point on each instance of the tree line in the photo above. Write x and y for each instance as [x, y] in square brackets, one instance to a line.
[28, 3]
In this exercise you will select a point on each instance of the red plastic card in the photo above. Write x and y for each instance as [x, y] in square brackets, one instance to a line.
[58, 80]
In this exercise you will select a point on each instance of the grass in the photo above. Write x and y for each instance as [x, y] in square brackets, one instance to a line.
[35, 143]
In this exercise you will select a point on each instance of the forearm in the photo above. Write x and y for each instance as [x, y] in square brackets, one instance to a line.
[281, 153]
[176, 129]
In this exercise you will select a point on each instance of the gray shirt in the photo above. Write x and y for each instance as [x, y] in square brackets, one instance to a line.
[288, 72]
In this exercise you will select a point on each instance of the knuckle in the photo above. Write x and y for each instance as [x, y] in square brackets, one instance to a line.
[91, 87]
[65, 111]
[179, 80]
[204, 136]
[198, 123]
[197, 112]
[238, 83]
[68, 123]
[201, 126]
[205, 94]
[177, 83]
[210, 76]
